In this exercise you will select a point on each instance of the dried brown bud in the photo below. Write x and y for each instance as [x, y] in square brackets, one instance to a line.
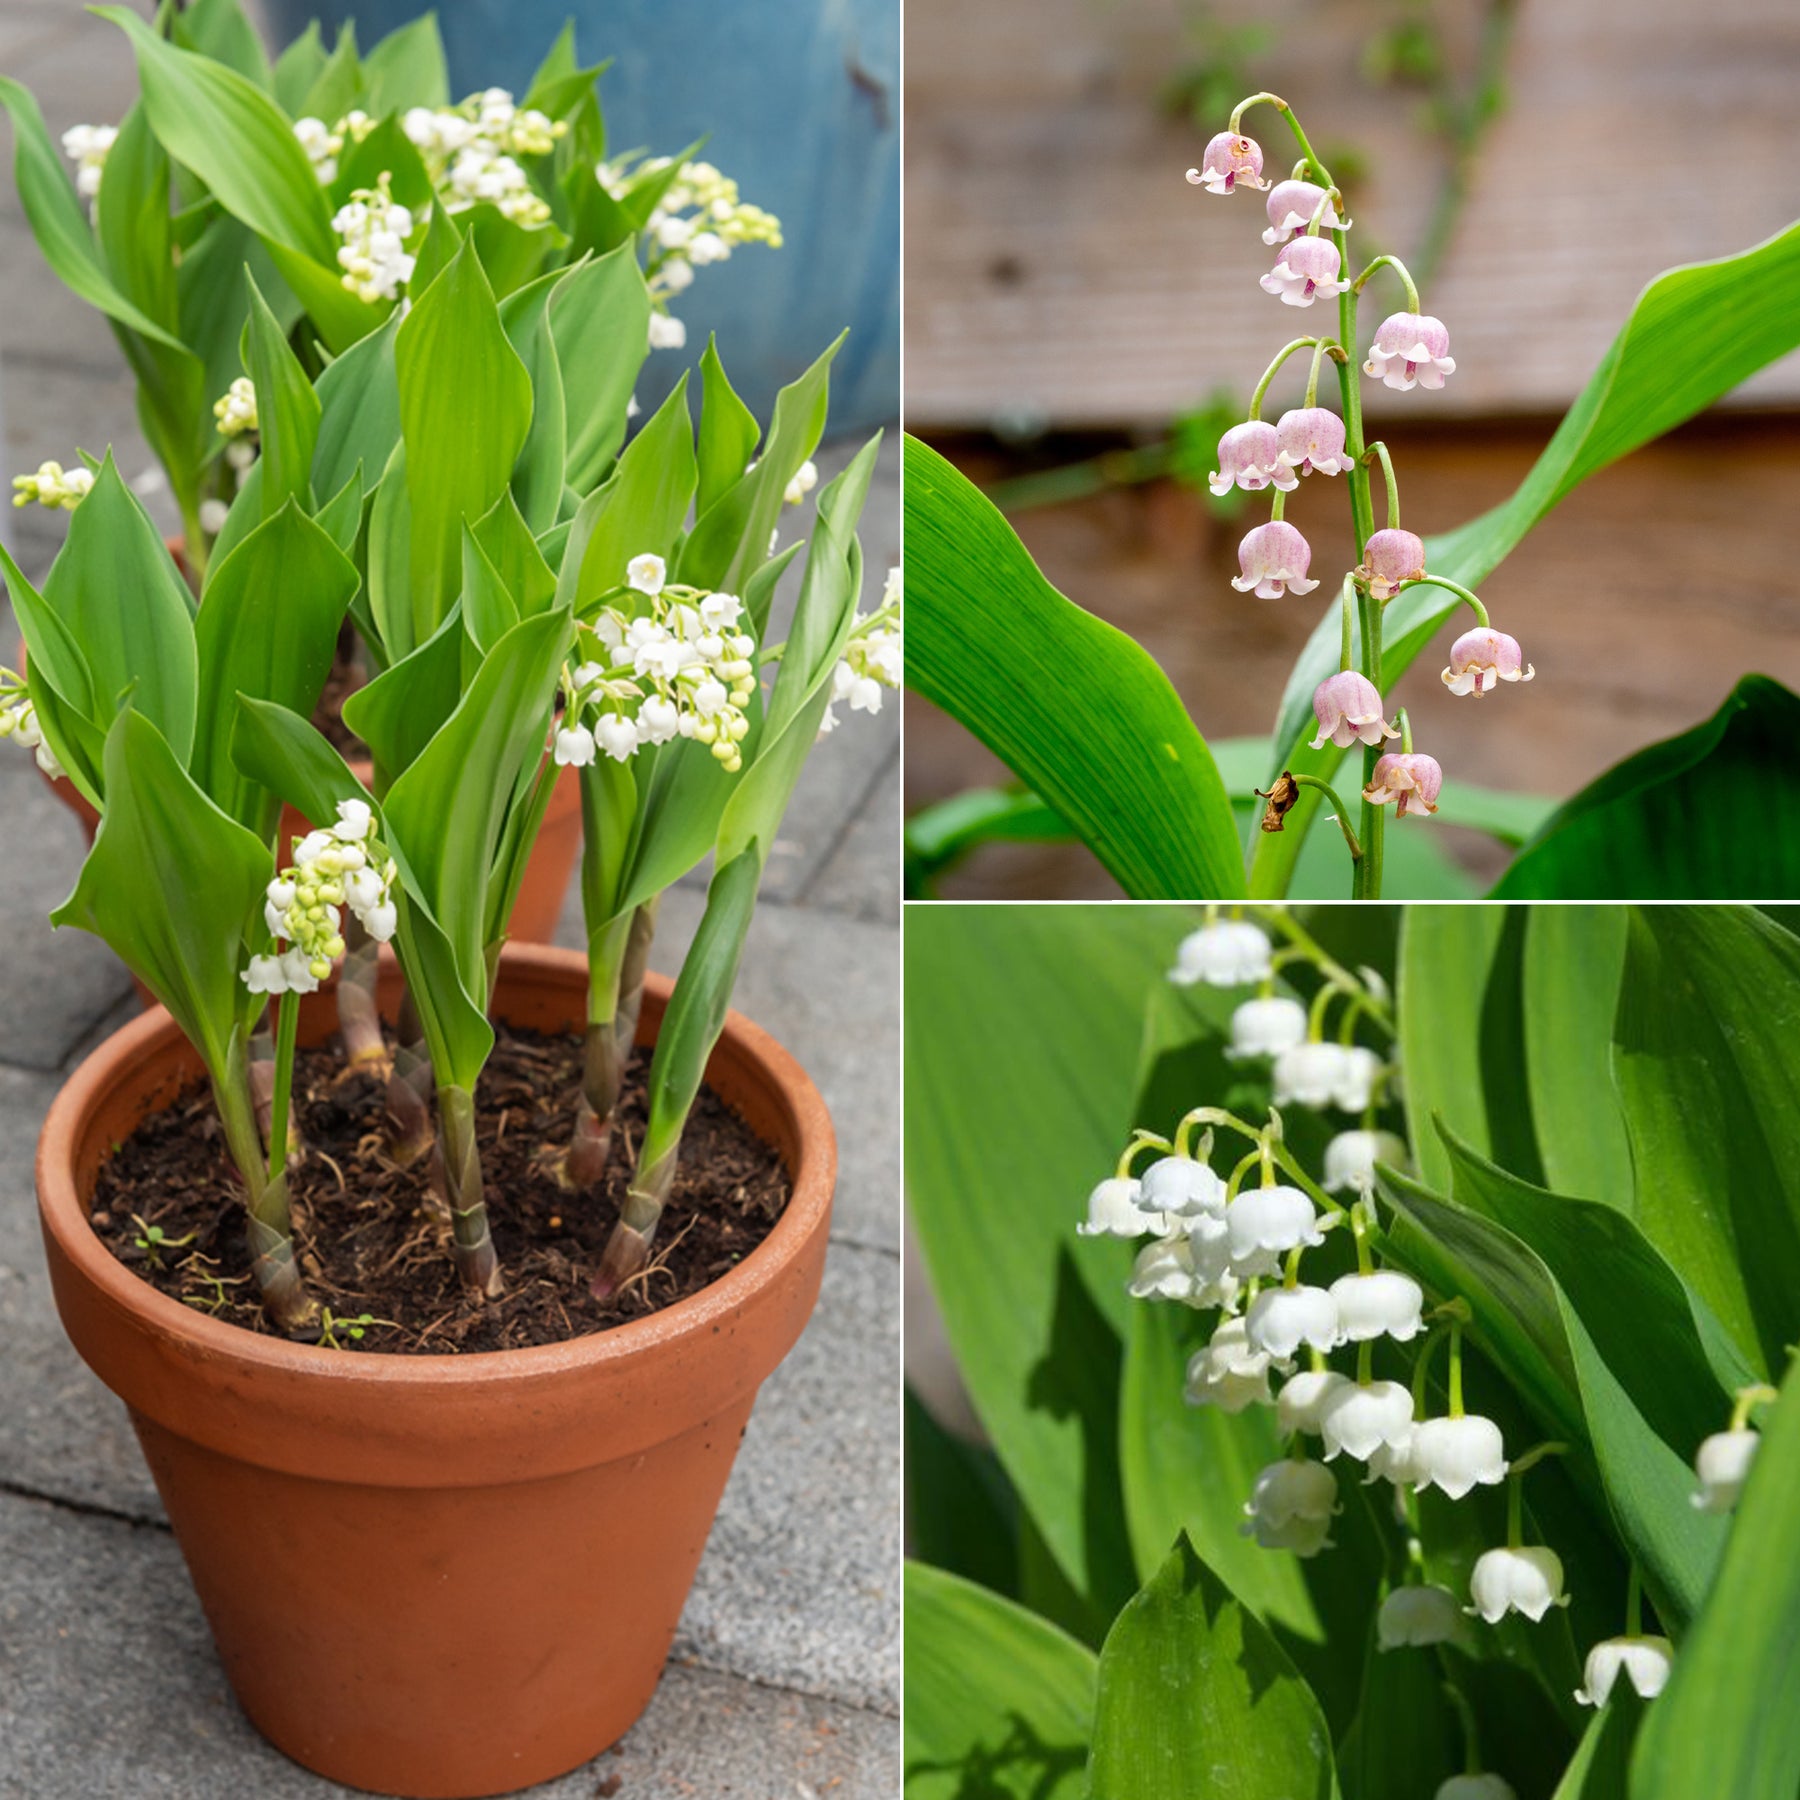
[1283, 797]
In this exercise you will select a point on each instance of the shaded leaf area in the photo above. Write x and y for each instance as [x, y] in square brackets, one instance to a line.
[1196, 1700]
[962, 1515]
[1713, 814]
[1074, 706]
[999, 1704]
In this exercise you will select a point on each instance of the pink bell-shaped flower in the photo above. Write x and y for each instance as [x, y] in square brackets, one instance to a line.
[1410, 781]
[1389, 558]
[1305, 271]
[1231, 161]
[1348, 709]
[1411, 349]
[1274, 559]
[1250, 458]
[1311, 442]
[1483, 657]
[1291, 208]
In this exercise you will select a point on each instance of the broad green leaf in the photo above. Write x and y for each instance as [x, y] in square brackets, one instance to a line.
[488, 612]
[641, 508]
[1713, 814]
[134, 228]
[1652, 378]
[507, 543]
[214, 298]
[600, 319]
[465, 407]
[458, 1037]
[598, 224]
[1405, 1741]
[1726, 1723]
[1196, 1701]
[436, 252]
[145, 648]
[1073, 706]
[386, 150]
[537, 481]
[1574, 961]
[447, 808]
[339, 85]
[173, 885]
[729, 432]
[730, 540]
[291, 757]
[511, 253]
[961, 1512]
[1599, 1769]
[219, 29]
[269, 629]
[1705, 1063]
[359, 411]
[407, 68]
[1565, 1294]
[287, 410]
[234, 137]
[297, 68]
[999, 1703]
[1023, 1036]
[60, 685]
[58, 222]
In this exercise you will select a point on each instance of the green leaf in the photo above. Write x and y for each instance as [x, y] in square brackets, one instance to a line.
[234, 137]
[1711, 814]
[1197, 1702]
[60, 685]
[402, 709]
[1574, 962]
[359, 410]
[407, 68]
[641, 508]
[339, 85]
[728, 430]
[999, 1703]
[465, 408]
[1074, 707]
[1022, 1040]
[600, 319]
[537, 480]
[386, 150]
[1404, 1742]
[1706, 1068]
[269, 630]
[296, 70]
[511, 253]
[172, 884]
[961, 1512]
[58, 221]
[1599, 1768]
[219, 29]
[1652, 378]
[287, 409]
[488, 612]
[291, 757]
[507, 543]
[1726, 1723]
[147, 647]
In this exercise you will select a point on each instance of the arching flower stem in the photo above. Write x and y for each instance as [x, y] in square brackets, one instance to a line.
[1380, 450]
[1400, 269]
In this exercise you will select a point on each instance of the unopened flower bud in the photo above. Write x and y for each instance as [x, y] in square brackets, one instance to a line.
[574, 747]
[1723, 1466]
[1114, 1211]
[1480, 1786]
[1183, 1187]
[1411, 781]
[1303, 1399]
[1351, 1156]
[1230, 161]
[1390, 558]
[1411, 348]
[1483, 657]
[1274, 559]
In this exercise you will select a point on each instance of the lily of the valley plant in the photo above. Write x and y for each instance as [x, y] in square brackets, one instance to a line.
[530, 596]
[341, 181]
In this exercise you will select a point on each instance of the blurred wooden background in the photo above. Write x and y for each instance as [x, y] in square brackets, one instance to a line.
[1067, 291]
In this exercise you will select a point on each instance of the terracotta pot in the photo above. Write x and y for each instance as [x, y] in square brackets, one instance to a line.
[440, 1575]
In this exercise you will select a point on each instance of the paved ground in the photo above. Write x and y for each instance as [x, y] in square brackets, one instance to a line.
[785, 1680]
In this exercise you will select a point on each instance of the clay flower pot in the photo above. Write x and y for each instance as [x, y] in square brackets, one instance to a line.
[440, 1575]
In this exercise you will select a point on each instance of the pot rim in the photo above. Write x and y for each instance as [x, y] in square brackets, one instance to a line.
[65, 1214]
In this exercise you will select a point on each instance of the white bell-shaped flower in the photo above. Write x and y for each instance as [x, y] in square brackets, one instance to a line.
[1361, 1417]
[1291, 1507]
[1358, 1071]
[1183, 1187]
[1384, 1304]
[1482, 1786]
[1226, 953]
[1309, 1075]
[1395, 1463]
[1266, 1027]
[1414, 1617]
[1281, 1319]
[1303, 1398]
[1644, 1661]
[1458, 1455]
[1113, 1211]
[1216, 1282]
[1528, 1580]
[1264, 1224]
[1163, 1271]
[1722, 1467]
[1227, 1372]
[1351, 1156]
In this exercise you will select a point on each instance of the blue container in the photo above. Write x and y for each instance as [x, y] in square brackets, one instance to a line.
[802, 101]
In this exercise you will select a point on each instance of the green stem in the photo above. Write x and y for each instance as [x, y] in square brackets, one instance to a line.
[1274, 368]
[1748, 1399]
[1347, 638]
[1319, 170]
[1452, 587]
[1515, 1511]
[1379, 449]
[1374, 818]
[1465, 1714]
[1405, 725]
[1140, 1140]
[473, 1249]
[1422, 1368]
[1399, 268]
[1365, 1362]
[287, 1035]
[1277, 506]
[1634, 1604]
[1456, 1372]
[1342, 815]
[1297, 935]
[1312, 374]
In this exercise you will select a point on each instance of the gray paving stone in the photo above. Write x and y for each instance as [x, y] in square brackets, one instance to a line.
[827, 986]
[800, 1582]
[861, 876]
[109, 1686]
[58, 982]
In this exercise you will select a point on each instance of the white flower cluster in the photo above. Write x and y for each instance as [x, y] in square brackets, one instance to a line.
[235, 409]
[19, 721]
[873, 659]
[324, 143]
[681, 668]
[304, 904]
[374, 227]
[87, 146]
[54, 486]
[471, 152]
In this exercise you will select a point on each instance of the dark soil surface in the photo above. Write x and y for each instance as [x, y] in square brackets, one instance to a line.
[366, 1232]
